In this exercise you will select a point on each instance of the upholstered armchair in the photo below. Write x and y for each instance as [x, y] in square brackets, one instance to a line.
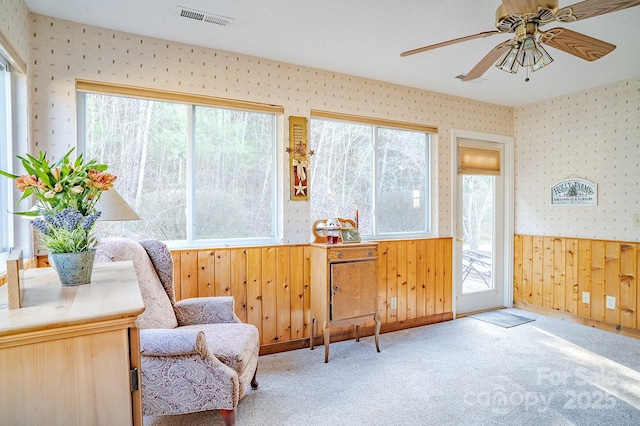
[196, 355]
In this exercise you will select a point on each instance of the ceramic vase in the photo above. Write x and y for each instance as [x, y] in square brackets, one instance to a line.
[73, 268]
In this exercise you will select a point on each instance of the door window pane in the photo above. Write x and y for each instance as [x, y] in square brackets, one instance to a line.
[477, 217]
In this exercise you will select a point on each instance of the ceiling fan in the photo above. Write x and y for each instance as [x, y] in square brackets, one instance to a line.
[524, 18]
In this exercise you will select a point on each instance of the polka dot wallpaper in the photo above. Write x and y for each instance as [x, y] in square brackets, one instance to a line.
[14, 24]
[594, 135]
[62, 51]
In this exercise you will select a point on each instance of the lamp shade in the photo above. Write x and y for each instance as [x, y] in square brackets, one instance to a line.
[114, 207]
[508, 60]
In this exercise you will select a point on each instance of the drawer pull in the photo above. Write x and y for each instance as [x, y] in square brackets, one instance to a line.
[339, 254]
[335, 289]
[369, 252]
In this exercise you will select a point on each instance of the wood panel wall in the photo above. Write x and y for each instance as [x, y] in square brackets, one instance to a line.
[270, 284]
[553, 273]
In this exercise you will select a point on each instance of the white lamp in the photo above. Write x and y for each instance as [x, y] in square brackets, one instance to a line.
[114, 207]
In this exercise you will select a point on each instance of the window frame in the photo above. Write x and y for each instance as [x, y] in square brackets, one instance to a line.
[376, 124]
[6, 144]
[192, 101]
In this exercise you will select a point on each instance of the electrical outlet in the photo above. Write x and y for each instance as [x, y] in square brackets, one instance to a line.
[586, 297]
[394, 303]
[636, 219]
[611, 302]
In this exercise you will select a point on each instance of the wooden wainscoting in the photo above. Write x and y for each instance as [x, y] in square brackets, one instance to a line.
[270, 286]
[551, 274]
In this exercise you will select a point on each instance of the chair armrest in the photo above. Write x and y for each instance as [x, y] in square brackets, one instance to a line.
[173, 342]
[179, 373]
[205, 310]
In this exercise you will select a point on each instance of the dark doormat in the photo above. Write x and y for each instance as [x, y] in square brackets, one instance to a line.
[501, 318]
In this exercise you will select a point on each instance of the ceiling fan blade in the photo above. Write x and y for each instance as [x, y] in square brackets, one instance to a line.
[486, 62]
[576, 44]
[447, 43]
[521, 7]
[589, 8]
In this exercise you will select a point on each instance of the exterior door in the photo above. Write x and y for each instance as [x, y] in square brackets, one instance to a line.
[482, 226]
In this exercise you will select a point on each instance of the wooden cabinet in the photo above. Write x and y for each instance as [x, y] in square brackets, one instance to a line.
[343, 288]
[68, 355]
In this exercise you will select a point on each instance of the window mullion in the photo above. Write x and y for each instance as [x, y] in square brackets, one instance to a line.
[428, 185]
[191, 173]
[81, 130]
[374, 178]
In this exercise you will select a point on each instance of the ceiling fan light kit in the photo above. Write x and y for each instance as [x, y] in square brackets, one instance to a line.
[524, 18]
[527, 53]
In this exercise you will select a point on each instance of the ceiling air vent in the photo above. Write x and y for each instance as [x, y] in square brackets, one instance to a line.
[475, 81]
[197, 15]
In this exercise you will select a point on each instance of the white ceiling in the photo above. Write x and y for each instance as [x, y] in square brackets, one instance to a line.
[365, 38]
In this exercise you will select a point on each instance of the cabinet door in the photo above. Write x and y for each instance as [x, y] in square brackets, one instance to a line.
[353, 289]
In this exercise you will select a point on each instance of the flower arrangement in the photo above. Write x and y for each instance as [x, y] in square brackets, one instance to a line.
[66, 194]
[67, 231]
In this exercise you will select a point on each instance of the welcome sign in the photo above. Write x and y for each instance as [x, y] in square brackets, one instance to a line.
[574, 191]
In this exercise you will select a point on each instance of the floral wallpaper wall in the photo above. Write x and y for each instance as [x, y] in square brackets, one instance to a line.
[62, 51]
[593, 135]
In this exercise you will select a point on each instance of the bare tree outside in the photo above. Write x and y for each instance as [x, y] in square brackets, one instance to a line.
[402, 187]
[343, 176]
[477, 218]
[478, 212]
[146, 144]
[341, 171]
[234, 174]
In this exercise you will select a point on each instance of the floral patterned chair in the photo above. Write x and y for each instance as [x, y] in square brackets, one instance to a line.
[196, 355]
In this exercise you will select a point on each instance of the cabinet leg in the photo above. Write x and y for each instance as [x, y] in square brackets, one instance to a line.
[327, 340]
[357, 333]
[378, 324]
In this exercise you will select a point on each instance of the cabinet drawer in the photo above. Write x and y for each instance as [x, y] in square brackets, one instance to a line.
[351, 253]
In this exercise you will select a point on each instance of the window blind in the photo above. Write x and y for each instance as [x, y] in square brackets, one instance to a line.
[170, 96]
[380, 122]
[478, 161]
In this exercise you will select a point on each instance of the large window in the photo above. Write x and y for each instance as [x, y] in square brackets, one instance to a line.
[5, 158]
[196, 174]
[380, 168]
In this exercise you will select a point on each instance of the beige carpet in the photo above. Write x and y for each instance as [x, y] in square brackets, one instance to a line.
[462, 372]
